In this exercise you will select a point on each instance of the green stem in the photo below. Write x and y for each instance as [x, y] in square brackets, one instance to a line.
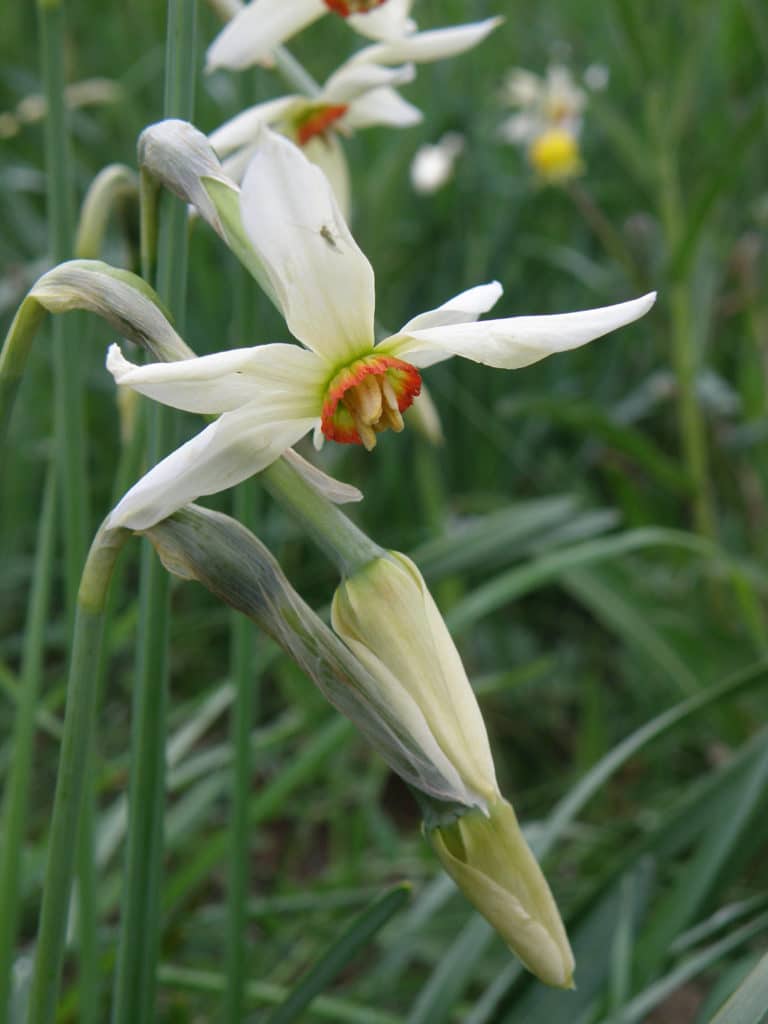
[69, 397]
[13, 359]
[610, 239]
[690, 419]
[684, 354]
[135, 982]
[246, 700]
[69, 411]
[343, 542]
[74, 760]
[294, 72]
[112, 186]
[16, 799]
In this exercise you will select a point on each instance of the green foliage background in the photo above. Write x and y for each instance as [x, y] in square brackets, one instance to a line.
[557, 526]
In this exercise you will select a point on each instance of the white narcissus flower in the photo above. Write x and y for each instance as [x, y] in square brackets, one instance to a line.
[355, 96]
[548, 121]
[341, 384]
[262, 25]
[360, 94]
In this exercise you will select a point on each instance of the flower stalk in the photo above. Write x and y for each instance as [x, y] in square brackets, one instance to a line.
[76, 745]
[135, 982]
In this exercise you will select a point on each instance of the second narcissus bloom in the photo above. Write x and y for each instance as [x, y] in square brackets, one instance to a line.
[361, 93]
[548, 121]
[341, 384]
[261, 25]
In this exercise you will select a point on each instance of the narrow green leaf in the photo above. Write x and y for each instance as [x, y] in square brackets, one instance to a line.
[749, 1003]
[327, 969]
[453, 971]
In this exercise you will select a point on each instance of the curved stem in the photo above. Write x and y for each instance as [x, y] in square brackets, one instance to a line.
[336, 534]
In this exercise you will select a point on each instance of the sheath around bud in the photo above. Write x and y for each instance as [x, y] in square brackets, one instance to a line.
[492, 864]
[388, 618]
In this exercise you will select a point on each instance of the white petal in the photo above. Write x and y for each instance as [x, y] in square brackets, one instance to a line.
[423, 47]
[334, 490]
[432, 165]
[519, 341]
[382, 106]
[520, 128]
[236, 165]
[322, 280]
[389, 21]
[226, 380]
[236, 446]
[326, 152]
[353, 80]
[241, 130]
[461, 309]
[261, 26]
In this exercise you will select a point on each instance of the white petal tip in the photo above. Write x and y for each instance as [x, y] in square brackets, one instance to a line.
[117, 364]
[644, 303]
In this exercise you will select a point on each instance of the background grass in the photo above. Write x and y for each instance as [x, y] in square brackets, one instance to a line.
[557, 526]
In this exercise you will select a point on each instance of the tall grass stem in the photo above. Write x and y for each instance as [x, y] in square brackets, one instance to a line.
[139, 944]
[71, 781]
[16, 799]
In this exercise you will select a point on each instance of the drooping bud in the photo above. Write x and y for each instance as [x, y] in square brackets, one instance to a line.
[180, 157]
[232, 563]
[121, 298]
[490, 861]
[388, 618]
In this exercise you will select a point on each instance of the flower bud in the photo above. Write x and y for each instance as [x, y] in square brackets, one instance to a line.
[492, 864]
[388, 618]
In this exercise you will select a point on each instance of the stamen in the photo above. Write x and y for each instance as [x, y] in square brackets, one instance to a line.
[389, 393]
[365, 400]
[367, 434]
[394, 420]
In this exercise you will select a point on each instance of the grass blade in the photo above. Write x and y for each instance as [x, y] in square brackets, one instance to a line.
[360, 932]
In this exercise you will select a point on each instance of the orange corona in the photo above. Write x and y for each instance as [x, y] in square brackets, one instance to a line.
[369, 396]
[347, 7]
[317, 120]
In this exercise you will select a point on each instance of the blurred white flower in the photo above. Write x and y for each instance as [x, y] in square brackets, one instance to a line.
[597, 77]
[432, 165]
[359, 94]
[255, 31]
[548, 122]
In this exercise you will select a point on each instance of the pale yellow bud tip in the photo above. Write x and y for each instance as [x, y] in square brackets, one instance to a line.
[491, 862]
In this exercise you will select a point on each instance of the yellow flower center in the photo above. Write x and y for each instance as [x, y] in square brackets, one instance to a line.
[555, 155]
[366, 397]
